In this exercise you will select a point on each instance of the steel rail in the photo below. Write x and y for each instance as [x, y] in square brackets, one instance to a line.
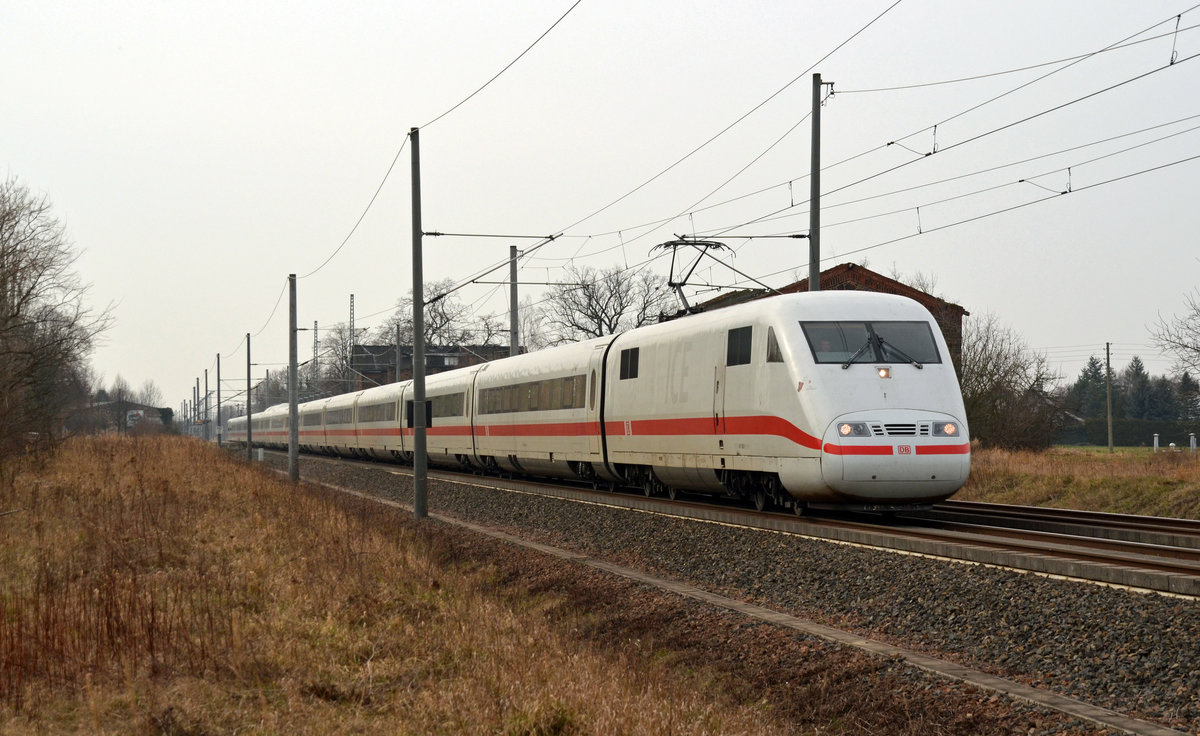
[1139, 565]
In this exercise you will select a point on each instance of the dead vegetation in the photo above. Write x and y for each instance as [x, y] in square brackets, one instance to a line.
[150, 585]
[1127, 481]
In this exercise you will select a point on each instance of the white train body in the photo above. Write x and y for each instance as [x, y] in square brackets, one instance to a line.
[844, 398]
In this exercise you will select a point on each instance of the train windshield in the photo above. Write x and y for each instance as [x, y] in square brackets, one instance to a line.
[871, 342]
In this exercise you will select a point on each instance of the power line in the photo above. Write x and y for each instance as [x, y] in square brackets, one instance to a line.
[978, 137]
[990, 75]
[366, 209]
[506, 66]
[1001, 211]
[915, 187]
[1045, 76]
[729, 127]
[396, 158]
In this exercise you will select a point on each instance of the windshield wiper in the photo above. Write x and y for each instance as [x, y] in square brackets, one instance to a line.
[858, 354]
[903, 355]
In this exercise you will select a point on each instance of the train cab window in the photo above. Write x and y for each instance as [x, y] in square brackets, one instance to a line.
[629, 363]
[871, 342]
[774, 354]
[907, 342]
[738, 351]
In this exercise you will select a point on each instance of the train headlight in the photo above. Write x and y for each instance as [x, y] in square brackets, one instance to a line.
[854, 429]
[945, 429]
[884, 372]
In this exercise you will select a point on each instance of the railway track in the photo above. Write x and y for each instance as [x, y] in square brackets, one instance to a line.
[1147, 553]
[1122, 527]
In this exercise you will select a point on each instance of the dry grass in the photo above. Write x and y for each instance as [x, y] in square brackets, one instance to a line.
[151, 586]
[1134, 481]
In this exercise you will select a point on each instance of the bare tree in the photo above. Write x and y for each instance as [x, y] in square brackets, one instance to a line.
[46, 331]
[593, 303]
[336, 350]
[149, 394]
[120, 390]
[921, 281]
[447, 320]
[1006, 388]
[531, 325]
[1180, 335]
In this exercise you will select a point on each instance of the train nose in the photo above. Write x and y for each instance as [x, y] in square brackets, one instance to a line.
[896, 455]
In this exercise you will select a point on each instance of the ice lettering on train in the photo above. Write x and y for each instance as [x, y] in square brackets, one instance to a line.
[677, 372]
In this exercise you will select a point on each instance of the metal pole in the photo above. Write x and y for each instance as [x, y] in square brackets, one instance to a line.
[196, 406]
[397, 352]
[350, 356]
[420, 467]
[207, 437]
[514, 342]
[1108, 390]
[814, 196]
[293, 387]
[249, 406]
[220, 426]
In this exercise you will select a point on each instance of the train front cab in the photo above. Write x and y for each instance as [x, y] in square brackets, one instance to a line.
[883, 397]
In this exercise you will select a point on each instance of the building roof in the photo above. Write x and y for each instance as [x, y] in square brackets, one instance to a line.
[846, 276]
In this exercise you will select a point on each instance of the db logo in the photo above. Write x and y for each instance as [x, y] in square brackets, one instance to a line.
[904, 449]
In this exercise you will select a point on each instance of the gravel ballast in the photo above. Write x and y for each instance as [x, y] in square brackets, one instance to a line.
[1135, 653]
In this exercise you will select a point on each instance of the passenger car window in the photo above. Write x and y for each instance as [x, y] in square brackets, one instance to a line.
[629, 363]
[738, 350]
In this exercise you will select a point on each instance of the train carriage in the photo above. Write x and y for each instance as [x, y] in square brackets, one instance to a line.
[341, 433]
[378, 421]
[271, 426]
[448, 439]
[312, 425]
[235, 430]
[540, 413]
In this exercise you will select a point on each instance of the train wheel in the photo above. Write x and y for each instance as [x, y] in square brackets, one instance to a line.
[760, 499]
[671, 492]
[799, 508]
[648, 486]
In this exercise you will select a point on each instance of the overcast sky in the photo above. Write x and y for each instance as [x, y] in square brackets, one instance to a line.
[200, 152]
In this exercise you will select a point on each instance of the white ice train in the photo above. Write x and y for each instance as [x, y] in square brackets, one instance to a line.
[842, 398]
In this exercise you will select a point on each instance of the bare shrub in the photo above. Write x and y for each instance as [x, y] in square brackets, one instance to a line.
[1005, 388]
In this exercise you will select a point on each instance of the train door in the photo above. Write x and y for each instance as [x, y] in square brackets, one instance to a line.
[595, 373]
[473, 412]
[718, 409]
[401, 420]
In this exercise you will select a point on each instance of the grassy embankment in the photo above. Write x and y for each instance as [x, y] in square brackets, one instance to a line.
[1130, 480]
[153, 586]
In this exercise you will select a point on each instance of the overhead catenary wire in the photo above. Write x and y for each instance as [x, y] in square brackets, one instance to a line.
[366, 209]
[1027, 179]
[654, 225]
[736, 122]
[977, 137]
[1019, 87]
[506, 66]
[1005, 210]
[990, 75]
[396, 158]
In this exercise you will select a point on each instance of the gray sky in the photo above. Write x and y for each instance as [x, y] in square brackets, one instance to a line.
[200, 152]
